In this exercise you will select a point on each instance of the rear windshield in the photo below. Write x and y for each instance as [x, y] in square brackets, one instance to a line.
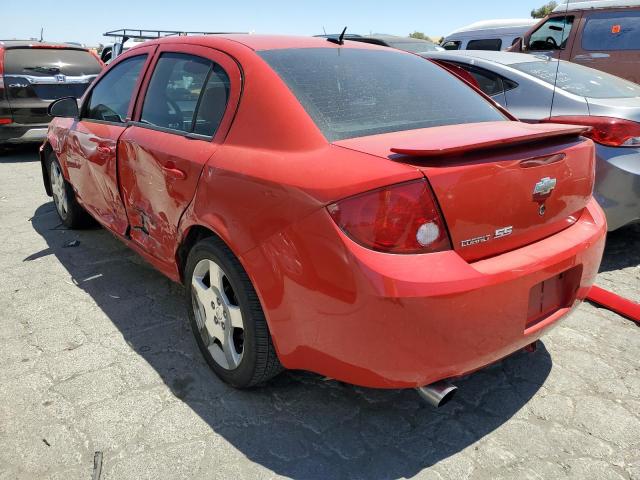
[352, 92]
[612, 31]
[41, 62]
[580, 80]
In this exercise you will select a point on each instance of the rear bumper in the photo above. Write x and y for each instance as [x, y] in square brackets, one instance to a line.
[397, 321]
[617, 186]
[19, 133]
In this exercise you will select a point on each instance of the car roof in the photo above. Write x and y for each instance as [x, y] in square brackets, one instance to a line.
[576, 5]
[258, 42]
[37, 44]
[493, 24]
[504, 58]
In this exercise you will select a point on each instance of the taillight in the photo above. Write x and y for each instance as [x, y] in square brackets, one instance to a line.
[609, 131]
[402, 218]
[5, 113]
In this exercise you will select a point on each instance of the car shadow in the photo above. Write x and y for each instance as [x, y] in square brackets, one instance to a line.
[19, 153]
[299, 425]
[622, 249]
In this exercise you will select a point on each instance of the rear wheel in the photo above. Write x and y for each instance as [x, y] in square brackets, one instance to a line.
[226, 317]
[64, 198]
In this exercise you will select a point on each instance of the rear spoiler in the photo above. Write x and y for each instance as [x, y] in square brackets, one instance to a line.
[483, 137]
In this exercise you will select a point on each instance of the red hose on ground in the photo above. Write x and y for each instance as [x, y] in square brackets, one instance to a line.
[615, 303]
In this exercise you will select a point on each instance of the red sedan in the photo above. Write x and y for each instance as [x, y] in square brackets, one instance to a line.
[346, 209]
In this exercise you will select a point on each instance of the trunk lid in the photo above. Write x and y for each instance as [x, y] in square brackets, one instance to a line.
[627, 108]
[35, 76]
[500, 185]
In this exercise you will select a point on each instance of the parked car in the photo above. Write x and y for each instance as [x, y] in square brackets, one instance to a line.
[526, 86]
[408, 44]
[32, 75]
[601, 34]
[488, 35]
[331, 202]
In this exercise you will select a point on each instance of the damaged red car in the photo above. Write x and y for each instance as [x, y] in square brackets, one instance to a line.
[346, 209]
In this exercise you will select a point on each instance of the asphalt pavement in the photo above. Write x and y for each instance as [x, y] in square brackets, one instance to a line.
[97, 356]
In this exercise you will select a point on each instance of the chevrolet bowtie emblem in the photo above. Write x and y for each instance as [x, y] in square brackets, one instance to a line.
[544, 187]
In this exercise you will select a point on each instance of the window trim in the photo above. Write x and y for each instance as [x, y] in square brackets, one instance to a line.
[138, 52]
[173, 131]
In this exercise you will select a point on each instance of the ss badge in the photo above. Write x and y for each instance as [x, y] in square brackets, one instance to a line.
[503, 232]
[499, 233]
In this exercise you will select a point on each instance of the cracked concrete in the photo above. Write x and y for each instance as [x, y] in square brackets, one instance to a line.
[97, 355]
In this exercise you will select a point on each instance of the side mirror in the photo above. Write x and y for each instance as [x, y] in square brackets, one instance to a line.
[66, 107]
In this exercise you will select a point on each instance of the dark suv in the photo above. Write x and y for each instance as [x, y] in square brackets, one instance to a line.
[32, 75]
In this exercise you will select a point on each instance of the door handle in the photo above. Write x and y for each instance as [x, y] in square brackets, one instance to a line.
[171, 171]
[104, 150]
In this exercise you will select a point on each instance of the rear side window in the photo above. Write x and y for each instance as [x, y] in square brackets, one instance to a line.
[110, 98]
[489, 82]
[452, 45]
[352, 92]
[186, 93]
[39, 62]
[612, 31]
[487, 44]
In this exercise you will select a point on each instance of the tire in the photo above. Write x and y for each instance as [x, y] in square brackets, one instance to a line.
[226, 317]
[71, 214]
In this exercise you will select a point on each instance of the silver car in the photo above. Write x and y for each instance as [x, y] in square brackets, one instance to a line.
[524, 84]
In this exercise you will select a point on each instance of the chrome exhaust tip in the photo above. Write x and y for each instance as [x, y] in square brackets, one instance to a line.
[437, 394]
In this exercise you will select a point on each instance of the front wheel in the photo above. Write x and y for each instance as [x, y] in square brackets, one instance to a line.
[64, 198]
[226, 317]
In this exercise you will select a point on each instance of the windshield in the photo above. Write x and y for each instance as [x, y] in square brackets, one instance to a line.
[580, 80]
[414, 47]
[351, 92]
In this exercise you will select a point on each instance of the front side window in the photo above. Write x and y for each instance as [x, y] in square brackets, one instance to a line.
[110, 98]
[552, 35]
[612, 31]
[487, 44]
[451, 45]
[579, 80]
[186, 93]
[351, 92]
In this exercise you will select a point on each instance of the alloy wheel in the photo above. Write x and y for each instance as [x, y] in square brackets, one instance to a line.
[217, 313]
[59, 191]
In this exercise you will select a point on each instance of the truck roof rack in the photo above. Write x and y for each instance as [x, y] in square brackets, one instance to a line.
[127, 33]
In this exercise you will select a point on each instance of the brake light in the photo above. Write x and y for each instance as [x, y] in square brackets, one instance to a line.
[609, 131]
[401, 218]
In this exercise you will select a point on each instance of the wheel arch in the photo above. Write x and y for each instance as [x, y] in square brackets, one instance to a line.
[191, 237]
[45, 150]
[195, 233]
